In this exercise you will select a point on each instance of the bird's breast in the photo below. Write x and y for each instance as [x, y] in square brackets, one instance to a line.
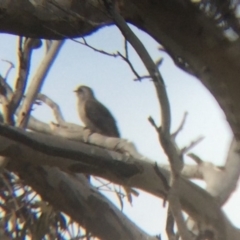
[83, 116]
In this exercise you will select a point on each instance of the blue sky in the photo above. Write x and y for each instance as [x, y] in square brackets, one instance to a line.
[131, 102]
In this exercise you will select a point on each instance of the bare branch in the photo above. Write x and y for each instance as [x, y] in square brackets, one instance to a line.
[47, 150]
[197, 159]
[5, 89]
[24, 58]
[191, 145]
[151, 120]
[70, 192]
[118, 54]
[54, 106]
[180, 128]
[37, 82]
[164, 132]
[170, 226]
[126, 59]
[85, 43]
[9, 69]
[168, 146]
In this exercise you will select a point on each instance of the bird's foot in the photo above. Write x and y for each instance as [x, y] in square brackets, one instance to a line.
[86, 134]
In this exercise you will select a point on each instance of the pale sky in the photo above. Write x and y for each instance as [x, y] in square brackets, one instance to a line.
[131, 103]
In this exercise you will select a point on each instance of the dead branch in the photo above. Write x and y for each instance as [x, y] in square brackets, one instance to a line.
[164, 131]
[54, 106]
[9, 69]
[180, 128]
[36, 83]
[24, 58]
[191, 145]
[71, 156]
[70, 192]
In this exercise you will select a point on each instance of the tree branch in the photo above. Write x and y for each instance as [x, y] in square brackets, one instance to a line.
[70, 192]
[37, 82]
[164, 132]
[24, 59]
[137, 173]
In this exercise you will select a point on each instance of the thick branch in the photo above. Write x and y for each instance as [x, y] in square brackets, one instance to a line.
[73, 195]
[75, 156]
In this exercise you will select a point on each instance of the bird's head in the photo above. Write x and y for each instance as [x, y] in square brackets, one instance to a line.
[84, 93]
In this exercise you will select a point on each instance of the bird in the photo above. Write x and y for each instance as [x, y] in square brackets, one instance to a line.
[94, 114]
[98, 119]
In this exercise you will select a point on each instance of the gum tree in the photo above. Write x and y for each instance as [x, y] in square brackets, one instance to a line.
[202, 37]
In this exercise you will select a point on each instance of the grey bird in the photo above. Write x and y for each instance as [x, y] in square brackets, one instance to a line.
[94, 114]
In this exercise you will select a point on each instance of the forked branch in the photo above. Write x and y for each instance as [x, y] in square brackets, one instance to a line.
[164, 132]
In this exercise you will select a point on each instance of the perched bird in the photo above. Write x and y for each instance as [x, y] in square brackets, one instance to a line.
[95, 115]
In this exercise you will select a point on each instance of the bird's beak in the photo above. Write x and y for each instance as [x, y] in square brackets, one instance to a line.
[75, 90]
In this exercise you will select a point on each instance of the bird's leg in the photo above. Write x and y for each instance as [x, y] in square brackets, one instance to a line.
[86, 133]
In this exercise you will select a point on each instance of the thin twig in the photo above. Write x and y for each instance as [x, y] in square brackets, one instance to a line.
[85, 43]
[12, 193]
[142, 78]
[147, 60]
[191, 145]
[120, 197]
[118, 54]
[54, 106]
[194, 157]
[151, 120]
[180, 128]
[9, 69]
[130, 65]
[103, 184]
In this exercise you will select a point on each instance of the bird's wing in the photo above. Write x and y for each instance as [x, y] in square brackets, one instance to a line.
[101, 118]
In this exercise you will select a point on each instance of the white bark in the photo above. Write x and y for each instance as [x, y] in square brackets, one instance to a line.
[40, 150]
[37, 83]
[211, 57]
